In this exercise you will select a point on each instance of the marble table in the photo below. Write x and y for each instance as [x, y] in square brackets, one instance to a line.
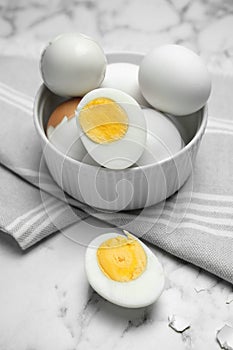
[45, 300]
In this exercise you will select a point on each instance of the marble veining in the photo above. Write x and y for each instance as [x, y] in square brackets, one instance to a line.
[45, 300]
[122, 25]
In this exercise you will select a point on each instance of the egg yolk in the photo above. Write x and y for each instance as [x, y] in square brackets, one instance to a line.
[122, 258]
[103, 120]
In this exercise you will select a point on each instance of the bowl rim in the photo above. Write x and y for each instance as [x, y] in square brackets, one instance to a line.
[178, 154]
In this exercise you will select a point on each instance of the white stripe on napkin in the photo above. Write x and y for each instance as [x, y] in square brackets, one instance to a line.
[52, 217]
[172, 224]
[19, 219]
[205, 208]
[204, 196]
[220, 121]
[15, 92]
[219, 124]
[197, 227]
[29, 172]
[13, 103]
[219, 131]
[16, 98]
[44, 180]
[201, 219]
[45, 211]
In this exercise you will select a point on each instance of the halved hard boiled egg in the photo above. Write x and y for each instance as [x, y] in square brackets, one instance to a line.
[113, 127]
[123, 270]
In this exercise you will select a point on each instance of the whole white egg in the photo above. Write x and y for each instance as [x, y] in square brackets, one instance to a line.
[123, 270]
[163, 138]
[174, 79]
[73, 64]
[113, 127]
[124, 76]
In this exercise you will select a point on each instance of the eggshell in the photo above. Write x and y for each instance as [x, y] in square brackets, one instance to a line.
[124, 76]
[72, 64]
[174, 79]
[66, 108]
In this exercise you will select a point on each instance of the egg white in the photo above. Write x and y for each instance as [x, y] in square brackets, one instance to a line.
[174, 79]
[140, 292]
[65, 137]
[122, 153]
[124, 76]
[163, 138]
[72, 64]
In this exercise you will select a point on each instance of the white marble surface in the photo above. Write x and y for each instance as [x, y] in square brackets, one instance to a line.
[45, 300]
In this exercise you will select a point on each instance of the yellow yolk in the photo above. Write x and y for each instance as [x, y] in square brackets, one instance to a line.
[103, 120]
[122, 258]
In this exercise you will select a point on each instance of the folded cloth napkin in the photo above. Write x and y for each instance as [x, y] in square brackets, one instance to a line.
[195, 224]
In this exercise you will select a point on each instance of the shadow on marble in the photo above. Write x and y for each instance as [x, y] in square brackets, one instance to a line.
[117, 314]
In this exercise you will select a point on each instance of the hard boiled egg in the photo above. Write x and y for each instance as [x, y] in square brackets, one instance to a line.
[72, 64]
[113, 127]
[62, 132]
[163, 138]
[123, 270]
[124, 76]
[174, 79]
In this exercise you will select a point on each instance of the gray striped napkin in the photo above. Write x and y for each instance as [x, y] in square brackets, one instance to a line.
[196, 224]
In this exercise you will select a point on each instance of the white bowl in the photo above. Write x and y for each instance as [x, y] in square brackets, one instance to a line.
[131, 188]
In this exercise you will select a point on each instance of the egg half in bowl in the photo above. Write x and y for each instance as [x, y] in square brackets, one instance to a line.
[113, 127]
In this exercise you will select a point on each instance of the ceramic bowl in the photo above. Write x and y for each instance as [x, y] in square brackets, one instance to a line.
[127, 189]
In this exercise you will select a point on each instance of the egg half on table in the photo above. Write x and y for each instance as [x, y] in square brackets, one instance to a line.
[123, 270]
